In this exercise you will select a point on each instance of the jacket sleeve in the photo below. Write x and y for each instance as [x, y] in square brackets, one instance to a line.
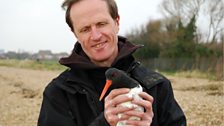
[56, 111]
[169, 112]
[100, 121]
[53, 110]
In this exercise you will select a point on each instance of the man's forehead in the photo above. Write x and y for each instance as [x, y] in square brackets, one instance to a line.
[87, 9]
[88, 5]
[87, 13]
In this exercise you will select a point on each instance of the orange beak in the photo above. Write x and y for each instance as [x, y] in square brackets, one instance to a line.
[107, 85]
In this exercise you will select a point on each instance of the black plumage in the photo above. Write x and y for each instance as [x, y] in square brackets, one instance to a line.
[118, 79]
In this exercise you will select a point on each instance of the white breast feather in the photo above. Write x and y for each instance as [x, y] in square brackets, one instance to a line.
[132, 93]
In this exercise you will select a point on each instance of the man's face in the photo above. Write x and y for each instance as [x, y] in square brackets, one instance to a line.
[95, 30]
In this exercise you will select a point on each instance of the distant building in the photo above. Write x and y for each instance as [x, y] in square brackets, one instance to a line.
[2, 51]
[48, 55]
[44, 54]
[2, 54]
[60, 55]
[41, 55]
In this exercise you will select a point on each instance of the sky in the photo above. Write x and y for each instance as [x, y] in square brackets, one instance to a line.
[33, 25]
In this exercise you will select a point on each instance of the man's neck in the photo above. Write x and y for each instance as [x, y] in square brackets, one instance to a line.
[107, 62]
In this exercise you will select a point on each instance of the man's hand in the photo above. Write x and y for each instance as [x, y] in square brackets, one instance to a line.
[146, 117]
[112, 108]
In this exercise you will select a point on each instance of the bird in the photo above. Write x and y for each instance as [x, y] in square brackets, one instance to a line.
[116, 78]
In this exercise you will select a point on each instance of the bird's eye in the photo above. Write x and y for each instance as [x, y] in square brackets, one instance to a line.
[114, 74]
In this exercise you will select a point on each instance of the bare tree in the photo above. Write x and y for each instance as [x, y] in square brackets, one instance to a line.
[215, 11]
[183, 10]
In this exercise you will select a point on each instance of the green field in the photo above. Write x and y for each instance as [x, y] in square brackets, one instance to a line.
[54, 65]
[32, 64]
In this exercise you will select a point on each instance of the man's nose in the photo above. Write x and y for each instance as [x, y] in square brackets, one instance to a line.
[95, 34]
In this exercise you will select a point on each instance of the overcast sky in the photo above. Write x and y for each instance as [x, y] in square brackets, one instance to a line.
[32, 25]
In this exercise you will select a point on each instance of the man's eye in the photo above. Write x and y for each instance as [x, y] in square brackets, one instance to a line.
[102, 24]
[84, 30]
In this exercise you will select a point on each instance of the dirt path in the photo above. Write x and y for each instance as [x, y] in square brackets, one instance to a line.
[202, 100]
[21, 94]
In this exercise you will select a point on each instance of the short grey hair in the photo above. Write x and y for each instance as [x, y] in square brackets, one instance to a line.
[67, 4]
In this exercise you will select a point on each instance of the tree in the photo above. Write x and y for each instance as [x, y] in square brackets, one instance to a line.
[184, 43]
[214, 10]
[183, 10]
[150, 36]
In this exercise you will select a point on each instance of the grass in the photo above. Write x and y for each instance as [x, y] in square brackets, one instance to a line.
[32, 64]
[54, 65]
[191, 74]
[211, 89]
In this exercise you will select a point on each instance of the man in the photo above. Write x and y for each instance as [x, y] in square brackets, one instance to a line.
[72, 99]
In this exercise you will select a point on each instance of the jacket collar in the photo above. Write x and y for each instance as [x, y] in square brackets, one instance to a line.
[79, 60]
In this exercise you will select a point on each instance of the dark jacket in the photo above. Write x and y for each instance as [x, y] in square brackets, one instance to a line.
[72, 99]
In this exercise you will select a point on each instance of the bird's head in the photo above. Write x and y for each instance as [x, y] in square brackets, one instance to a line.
[114, 74]
[115, 78]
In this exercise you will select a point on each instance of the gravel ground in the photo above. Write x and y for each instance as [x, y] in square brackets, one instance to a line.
[21, 94]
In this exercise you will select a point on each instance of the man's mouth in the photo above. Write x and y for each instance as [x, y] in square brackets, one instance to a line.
[99, 45]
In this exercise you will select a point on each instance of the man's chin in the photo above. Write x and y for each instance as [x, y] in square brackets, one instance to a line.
[101, 61]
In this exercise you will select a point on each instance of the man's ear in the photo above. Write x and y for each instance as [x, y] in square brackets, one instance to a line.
[118, 20]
